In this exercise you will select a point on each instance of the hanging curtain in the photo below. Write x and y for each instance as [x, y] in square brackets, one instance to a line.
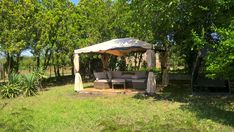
[78, 80]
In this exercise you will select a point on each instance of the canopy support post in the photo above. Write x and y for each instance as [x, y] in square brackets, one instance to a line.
[78, 80]
[151, 81]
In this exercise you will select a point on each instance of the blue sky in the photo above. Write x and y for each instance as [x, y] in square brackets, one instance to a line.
[26, 53]
[75, 1]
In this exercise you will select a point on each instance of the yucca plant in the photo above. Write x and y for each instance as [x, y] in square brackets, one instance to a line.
[13, 88]
[27, 85]
[30, 85]
[14, 78]
[10, 91]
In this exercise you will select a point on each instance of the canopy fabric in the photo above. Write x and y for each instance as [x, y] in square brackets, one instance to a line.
[78, 79]
[118, 47]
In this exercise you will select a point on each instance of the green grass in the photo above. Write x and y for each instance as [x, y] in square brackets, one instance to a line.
[61, 109]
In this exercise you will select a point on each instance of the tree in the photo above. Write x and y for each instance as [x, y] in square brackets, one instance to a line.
[199, 17]
[220, 58]
[155, 22]
[14, 30]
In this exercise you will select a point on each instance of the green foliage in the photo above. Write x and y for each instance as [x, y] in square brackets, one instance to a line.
[51, 30]
[200, 41]
[15, 78]
[220, 62]
[27, 85]
[10, 90]
[30, 83]
[13, 88]
[15, 29]
[27, 63]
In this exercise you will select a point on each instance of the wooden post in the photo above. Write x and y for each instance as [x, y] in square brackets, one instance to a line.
[151, 81]
[78, 80]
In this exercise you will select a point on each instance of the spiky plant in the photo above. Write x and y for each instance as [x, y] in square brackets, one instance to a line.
[10, 91]
[30, 85]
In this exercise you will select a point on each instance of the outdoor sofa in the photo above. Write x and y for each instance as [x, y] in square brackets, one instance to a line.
[132, 79]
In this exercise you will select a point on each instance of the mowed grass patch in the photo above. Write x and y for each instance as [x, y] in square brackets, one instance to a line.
[61, 109]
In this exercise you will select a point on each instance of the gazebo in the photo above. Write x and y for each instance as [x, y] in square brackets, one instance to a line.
[118, 47]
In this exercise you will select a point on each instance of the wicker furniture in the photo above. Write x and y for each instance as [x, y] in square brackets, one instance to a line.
[139, 84]
[118, 81]
[129, 79]
[102, 84]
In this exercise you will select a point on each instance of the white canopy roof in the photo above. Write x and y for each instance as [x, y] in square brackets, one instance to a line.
[118, 47]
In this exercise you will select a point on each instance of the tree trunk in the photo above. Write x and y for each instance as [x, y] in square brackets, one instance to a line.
[38, 61]
[140, 60]
[58, 71]
[135, 61]
[47, 59]
[9, 63]
[55, 71]
[123, 64]
[72, 65]
[190, 59]
[164, 67]
[50, 70]
[17, 63]
[57, 65]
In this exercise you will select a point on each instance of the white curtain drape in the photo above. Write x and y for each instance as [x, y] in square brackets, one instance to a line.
[78, 80]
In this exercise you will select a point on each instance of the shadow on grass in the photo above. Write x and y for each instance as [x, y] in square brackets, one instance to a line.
[60, 81]
[219, 109]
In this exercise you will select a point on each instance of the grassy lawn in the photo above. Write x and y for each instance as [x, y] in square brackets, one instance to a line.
[61, 109]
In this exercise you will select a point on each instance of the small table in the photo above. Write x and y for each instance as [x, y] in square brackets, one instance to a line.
[118, 81]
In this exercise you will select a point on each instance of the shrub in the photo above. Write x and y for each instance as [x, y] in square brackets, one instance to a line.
[14, 78]
[30, 85]
[10, 91]
[27, 85]
[13, 88]
[32, 82]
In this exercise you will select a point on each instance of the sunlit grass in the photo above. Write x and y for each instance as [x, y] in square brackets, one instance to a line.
[61, 109]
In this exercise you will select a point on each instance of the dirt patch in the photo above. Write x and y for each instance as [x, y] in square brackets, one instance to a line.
[92, 92]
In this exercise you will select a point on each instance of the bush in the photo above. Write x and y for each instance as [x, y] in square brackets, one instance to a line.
[14, 78]
[27, 85]
[10, 91]
[13, 88]
[30, 84]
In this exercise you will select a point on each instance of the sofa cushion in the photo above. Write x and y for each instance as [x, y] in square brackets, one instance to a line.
[139, 75]
[100, 75]
[127, 74]
[139, 80]
[116, 74]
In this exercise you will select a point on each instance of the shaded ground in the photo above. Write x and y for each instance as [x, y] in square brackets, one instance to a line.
[61, 81]
[217, 108]
[58, 81]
